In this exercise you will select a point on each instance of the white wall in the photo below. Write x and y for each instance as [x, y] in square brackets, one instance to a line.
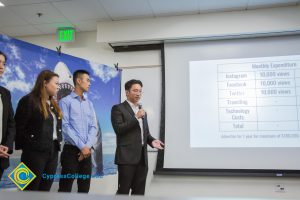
[87, 48]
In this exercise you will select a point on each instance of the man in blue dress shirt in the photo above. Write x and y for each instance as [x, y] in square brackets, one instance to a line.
[79, 128]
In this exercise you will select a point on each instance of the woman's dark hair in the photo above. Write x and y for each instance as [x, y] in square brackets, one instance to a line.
[39, 93]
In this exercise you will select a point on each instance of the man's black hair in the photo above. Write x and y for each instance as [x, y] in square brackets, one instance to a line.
[78, 73]
[131, 82]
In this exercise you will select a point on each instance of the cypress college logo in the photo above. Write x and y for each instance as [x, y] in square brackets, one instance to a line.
[21, 176]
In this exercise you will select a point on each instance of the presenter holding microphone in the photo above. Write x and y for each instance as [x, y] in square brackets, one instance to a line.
[130, 124]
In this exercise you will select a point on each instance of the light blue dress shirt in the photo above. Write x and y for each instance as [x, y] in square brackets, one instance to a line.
[79, 124]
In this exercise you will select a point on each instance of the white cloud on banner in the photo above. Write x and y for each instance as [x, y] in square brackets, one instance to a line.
[41, 63]
[14, 52]
[18, 85]
[19, 72]
[104, 72]
[94, 95]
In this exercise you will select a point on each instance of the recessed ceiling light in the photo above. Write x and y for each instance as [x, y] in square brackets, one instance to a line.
[1, 4]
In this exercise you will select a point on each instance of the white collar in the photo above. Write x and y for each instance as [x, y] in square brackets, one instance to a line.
[131, 104]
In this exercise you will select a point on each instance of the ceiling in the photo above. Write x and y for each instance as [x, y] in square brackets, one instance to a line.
[20, 18]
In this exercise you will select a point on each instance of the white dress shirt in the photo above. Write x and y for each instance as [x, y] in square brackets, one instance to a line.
[135, 110]
[54, 123]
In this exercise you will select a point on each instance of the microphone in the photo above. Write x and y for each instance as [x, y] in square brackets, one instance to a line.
[140, 107]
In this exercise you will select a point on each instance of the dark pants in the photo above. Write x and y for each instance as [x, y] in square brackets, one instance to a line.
[71, 166]
[41, 163]
[132, 177]
[1, 173]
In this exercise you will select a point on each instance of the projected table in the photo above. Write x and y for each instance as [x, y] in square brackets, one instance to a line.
[259, 96]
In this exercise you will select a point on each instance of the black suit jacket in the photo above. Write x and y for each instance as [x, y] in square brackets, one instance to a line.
[33, 132]
[8, 125]
[127, 128]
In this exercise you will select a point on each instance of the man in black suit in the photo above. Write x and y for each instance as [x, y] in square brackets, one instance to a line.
[130, 124]
[7, 123]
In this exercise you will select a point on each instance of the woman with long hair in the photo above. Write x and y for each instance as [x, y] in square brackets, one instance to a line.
[38, 130]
